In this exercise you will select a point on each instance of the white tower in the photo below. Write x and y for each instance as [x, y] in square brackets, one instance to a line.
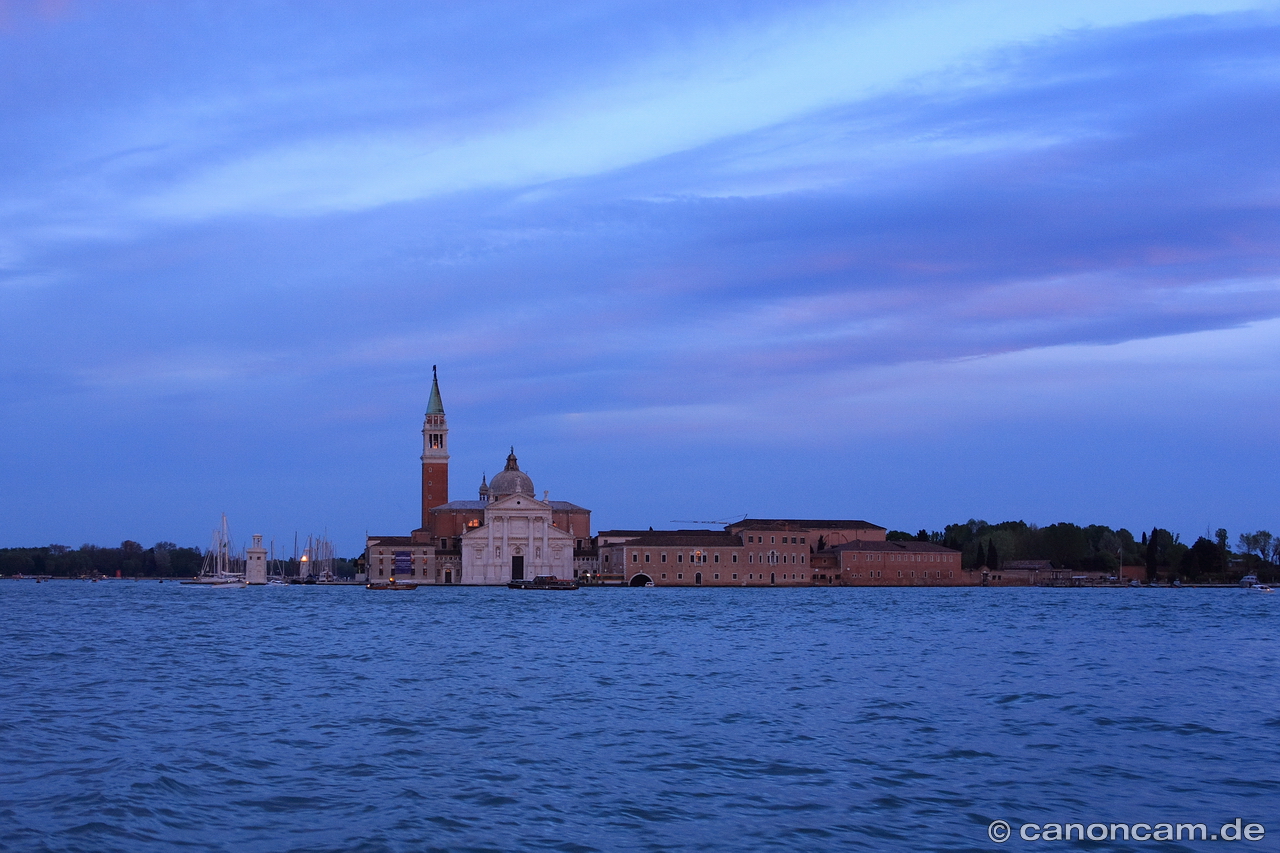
[255, 562]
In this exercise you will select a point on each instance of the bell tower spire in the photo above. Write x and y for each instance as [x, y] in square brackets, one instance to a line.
[435, 453]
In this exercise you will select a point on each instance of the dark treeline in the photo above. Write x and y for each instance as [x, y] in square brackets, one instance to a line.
[1098, 548]
[130, 560]
[164, 559]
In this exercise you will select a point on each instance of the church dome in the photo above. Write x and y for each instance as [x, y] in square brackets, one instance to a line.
[511, 480]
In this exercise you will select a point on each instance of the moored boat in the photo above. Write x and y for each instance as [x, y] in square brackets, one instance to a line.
[221, 569]
[391, 584]
[544, 582]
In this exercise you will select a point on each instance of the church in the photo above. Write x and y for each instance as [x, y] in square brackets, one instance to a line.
[506, 534]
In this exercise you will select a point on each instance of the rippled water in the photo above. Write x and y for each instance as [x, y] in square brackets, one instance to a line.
[146, 716]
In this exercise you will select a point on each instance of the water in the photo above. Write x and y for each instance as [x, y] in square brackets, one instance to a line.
[154, 717]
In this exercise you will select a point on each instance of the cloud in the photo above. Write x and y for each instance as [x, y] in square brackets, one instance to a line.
[610, 227]
[725, 85]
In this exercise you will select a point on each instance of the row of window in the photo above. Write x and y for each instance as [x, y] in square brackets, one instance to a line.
[750, 576]
[907, 558]
[773, 558]
[694, 557]
[772, 540]
[937, 575]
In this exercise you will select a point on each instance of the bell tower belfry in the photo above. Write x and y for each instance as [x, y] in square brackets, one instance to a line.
[435, 453]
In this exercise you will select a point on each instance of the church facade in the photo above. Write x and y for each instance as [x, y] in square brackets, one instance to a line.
[506, 534]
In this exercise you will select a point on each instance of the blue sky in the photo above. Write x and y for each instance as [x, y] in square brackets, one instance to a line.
[912, 262]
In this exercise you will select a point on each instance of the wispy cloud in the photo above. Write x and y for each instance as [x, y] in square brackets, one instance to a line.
[622, 219]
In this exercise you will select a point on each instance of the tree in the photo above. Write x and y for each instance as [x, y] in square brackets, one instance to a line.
[1262, 543]
[980, 559]
[1201, 559]
[1221, 536]
[1152, 554]
[993, 561]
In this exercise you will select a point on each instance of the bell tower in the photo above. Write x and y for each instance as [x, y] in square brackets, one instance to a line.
[435, 453]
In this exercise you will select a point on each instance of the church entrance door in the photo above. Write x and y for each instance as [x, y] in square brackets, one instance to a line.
[517, 568]
[697, 579]
[448, 575]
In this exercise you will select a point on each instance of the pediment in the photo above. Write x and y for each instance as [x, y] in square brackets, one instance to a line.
[510, 503]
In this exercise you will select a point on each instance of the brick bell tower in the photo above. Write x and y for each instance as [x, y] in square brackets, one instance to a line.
[435, 454]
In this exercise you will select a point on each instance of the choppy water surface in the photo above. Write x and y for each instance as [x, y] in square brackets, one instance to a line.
[148, 717]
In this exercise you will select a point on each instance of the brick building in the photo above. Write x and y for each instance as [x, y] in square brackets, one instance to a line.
[507, 532]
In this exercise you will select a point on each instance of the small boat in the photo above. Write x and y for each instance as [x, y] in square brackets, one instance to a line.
[391, 584]
[544, 582]
[1135, 584]
[1261, 587]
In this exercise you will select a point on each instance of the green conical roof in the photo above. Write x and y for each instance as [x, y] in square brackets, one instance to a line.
[434, 406]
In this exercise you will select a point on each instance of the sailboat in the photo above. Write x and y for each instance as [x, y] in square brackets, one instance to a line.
[275, 576]
[220, 567]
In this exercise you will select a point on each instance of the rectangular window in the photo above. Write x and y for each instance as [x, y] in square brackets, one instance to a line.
[751, 538]
[802, 559]
[735, 558]
[664, 559]
[751, 558]
[773, 540]
[716, 559]
[793, 540]
[735, 575]
[716, 576]
[679, 576]
[635, 558]
[801, 540]
[664, 575]
[679, 558]
[646, 558]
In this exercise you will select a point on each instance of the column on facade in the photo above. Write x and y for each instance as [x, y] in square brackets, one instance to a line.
[506, 546]
[529, 543]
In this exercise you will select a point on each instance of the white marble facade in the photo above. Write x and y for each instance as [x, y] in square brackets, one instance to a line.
[517, 539]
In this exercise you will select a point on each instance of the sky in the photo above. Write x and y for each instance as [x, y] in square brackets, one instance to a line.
[910, 262]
